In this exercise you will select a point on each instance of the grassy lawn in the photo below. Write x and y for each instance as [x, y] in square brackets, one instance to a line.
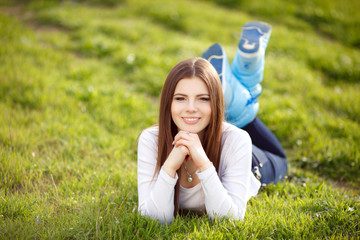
[79, 80]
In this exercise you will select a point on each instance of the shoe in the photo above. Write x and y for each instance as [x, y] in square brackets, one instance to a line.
[254, 37]
[236, 96]
[216, 55]
[249, 60]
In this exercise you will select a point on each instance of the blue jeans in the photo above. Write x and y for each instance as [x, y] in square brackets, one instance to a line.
[269, 157]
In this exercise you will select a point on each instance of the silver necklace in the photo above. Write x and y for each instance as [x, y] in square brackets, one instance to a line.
[189, 175]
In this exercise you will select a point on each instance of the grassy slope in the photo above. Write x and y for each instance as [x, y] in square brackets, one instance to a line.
[80, 81]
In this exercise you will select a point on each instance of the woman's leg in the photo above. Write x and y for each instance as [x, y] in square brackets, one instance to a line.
[263, 138]
[241, 87]
[268, 155]
[240, 108]
[248, 63]
[248, 67]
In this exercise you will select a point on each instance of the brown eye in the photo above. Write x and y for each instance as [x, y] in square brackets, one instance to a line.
[179, 98]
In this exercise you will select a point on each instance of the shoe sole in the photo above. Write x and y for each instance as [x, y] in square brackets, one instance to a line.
[251, 35]
[216, 56]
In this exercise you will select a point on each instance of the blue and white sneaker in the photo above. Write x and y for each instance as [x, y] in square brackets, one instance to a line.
[249, 61]
[254, 37]
[236, 96]
[216, 55]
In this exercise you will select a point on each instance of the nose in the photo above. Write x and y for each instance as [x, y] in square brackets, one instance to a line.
[191, 106]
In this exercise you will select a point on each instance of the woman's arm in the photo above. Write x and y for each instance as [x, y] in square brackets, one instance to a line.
[228, 197]
[156, 194]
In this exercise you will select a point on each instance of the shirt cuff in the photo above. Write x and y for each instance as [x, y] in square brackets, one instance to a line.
[167, 179]
[204, 175]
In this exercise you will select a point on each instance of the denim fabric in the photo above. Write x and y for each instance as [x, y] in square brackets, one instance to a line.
[267, 150]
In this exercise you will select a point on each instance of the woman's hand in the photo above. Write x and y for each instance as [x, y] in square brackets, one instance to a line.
[197, 153]
[175, 159]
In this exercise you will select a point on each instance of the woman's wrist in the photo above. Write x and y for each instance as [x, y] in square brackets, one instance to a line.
[205, 166]
[169, 171]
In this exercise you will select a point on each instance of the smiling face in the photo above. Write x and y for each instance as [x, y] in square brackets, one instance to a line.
[190, 107]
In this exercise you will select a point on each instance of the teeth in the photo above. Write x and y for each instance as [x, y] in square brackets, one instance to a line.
[191, 119]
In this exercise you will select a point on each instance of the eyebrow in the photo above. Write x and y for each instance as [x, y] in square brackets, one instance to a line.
[199, 95]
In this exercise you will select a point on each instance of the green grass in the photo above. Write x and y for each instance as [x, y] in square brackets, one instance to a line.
[81, 79]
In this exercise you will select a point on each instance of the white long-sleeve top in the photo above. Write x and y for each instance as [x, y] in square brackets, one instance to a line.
[223, 194]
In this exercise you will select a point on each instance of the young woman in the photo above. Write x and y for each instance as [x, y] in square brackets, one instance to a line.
[194, 160]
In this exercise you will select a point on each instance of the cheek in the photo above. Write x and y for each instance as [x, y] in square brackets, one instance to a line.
[173, 110]
[208, 110]
[209, 114]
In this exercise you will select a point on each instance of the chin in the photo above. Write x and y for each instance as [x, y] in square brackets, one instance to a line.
[193, 130]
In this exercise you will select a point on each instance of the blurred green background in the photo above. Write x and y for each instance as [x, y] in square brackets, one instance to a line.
[79, 80]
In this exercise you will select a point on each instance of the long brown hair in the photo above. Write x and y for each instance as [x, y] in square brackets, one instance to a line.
[189, 68]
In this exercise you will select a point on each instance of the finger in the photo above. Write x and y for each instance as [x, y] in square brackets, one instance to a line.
[184, 150]
[186, 133]
[183, 142]
[183, 135]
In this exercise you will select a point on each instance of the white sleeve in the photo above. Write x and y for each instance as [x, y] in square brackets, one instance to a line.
[156, 194]
[229, 196]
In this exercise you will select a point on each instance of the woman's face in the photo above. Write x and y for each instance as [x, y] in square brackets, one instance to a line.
[190, 107]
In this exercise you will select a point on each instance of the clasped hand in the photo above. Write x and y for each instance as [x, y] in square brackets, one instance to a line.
[186, 146]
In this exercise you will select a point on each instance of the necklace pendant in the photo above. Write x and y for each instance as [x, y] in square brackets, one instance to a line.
[190, 179]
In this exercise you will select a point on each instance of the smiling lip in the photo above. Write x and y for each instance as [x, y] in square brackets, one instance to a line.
[191, 120]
